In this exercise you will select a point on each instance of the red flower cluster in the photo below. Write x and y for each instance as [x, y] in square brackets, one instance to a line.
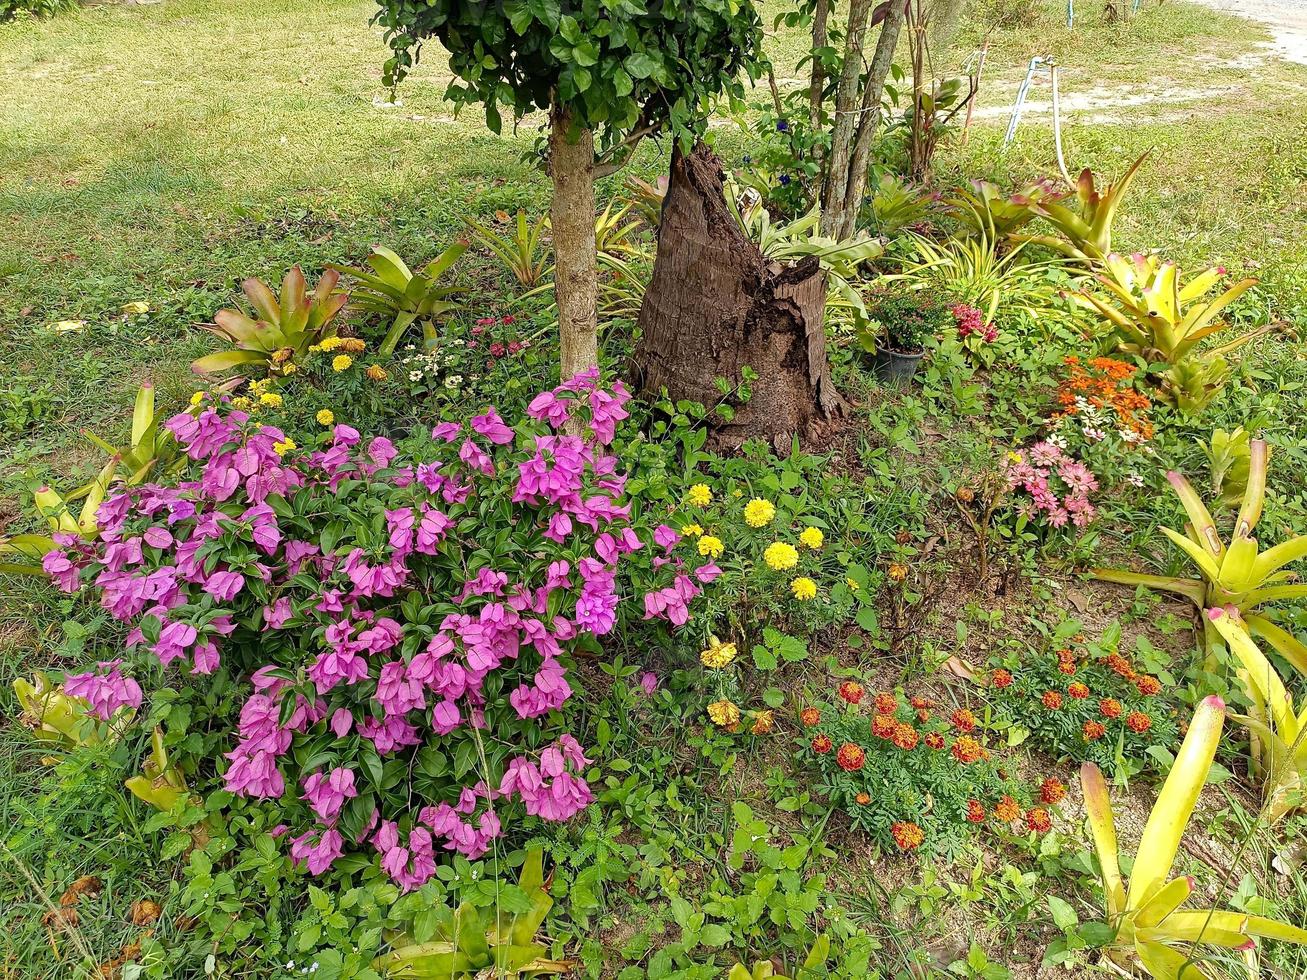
[822, 744]
[1110, 707]
[971, 323]
[1038, 820]
[907, 835]
[850, 757]
[1138, 722]
[975, 812]
[885, 703]
[964, 721]
[1052, 790]
[851, 691]
[1094, 730]
[1001, 678]
[1078, 690]
[1052, 700]
[967, 750]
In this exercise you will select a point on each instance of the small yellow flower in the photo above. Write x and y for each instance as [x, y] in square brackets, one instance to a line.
[315, 348]
[852, 584]
[376, 372]
[325, 417]
[718, 655]
[1014, 457]
[282, 448]
[724, 714]
[328, 344]
[763, 722]
[711, 547]
[897, 571]
[270, 399]
[812, 537]
[341, 362]
[780, 556]
[260, 386]
[197, 398]
[759, 512]
[352, 345]
[283, 355]
[136, 307]
[692, 530]
[699, 495]
[804, 588]
[243, 403]
[290, 367]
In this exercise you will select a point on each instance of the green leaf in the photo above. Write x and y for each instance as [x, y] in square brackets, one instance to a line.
[763, 658]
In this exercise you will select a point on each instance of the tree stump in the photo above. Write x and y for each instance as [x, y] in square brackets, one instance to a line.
[716, 305]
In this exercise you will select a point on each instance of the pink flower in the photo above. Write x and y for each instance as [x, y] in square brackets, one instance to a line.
[105, 688]
[327, 794]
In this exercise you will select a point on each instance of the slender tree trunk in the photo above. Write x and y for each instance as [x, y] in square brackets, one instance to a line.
[572, 217]
[820, 37]
[716, 305]
[846, 106]
[869, 120]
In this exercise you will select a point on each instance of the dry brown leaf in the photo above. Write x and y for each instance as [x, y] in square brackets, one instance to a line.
[61, 918]
[145, 911]
[960, 668]
[88, 885]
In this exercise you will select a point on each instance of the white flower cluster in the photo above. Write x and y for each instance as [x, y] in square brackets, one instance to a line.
[431, 365]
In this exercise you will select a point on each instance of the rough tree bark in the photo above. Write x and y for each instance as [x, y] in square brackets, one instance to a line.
[571, 216]
[715, 305]
[847, 105]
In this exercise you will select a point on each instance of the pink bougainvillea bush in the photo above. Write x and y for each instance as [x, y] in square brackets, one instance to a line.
[403, 615]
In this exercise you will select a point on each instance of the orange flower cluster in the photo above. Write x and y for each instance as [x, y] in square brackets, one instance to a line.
[907, 835]
[850, 757]
[1105, 383]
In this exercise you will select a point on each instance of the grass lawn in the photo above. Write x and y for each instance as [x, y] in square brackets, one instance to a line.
[163, 152]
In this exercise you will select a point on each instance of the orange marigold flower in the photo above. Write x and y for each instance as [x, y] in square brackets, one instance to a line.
[923, 715]
[1110, 707]
[850, 757]
[810, 716]
[1148, 685]
[897, 571]
[763, 722]
[1006, 809]
[1052, 790]
[1066, 654]
[886, 703]
[1094, 730]
[1077, 690]
[851, 691]
[1119, 664]
[1138, 722]
[920, 702]
[1067, 667]
[964, 721]
[1001, 678]
[821, 744]
[975, 812]
[905, 736]
[907, 835]
[935, 740]
[966, 749]
[1052, 700]
[1038, 820]
[882, 726]
[862, 799]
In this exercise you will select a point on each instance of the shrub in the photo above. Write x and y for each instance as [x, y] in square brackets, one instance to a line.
[907, 320]
[908, 777]
[389, 607]
[1087, 702]
[9, 9]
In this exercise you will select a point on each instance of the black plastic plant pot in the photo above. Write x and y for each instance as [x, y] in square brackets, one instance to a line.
[896, 367]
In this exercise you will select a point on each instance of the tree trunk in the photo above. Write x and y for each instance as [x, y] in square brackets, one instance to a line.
[816, 84]
[572, 218]
[869, 121]
[716, 305]
[846, 119]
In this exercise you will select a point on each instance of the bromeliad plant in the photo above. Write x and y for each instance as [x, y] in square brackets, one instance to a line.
[287, 326]
[1086, 229]
[1237, 574]
[388, 608]
[520, 250]
[471, 942]
[1163, 322]
[392, 289]
[984, 210]
[1278, 730]
[1150, 925]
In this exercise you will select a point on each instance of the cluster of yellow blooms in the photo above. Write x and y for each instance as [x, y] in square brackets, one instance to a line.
[350, 345]
[718, 654]
[726, 714]
[285, 446]
[325, 416]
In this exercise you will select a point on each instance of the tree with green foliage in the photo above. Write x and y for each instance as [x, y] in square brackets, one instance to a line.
[608, 72]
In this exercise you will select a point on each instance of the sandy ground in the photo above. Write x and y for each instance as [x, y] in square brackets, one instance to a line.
[1286, 20]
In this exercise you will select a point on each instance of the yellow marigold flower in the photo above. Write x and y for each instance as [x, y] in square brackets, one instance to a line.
[197, 398]
[328, 344]
[315, 348]
[763, 721]
[804, 588]
[376, 372]
[290, 367]
[812, 537]
[759, 512]
[780, 556]
[692, 530]
[711, 547]
[271, 399]
[325, 417]
[283, 355]
[282, 448]
[699, 495]
[341, 362]
[724, 713]
[897, 571]
[352, 345]
[718, 655]
[243, 403]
